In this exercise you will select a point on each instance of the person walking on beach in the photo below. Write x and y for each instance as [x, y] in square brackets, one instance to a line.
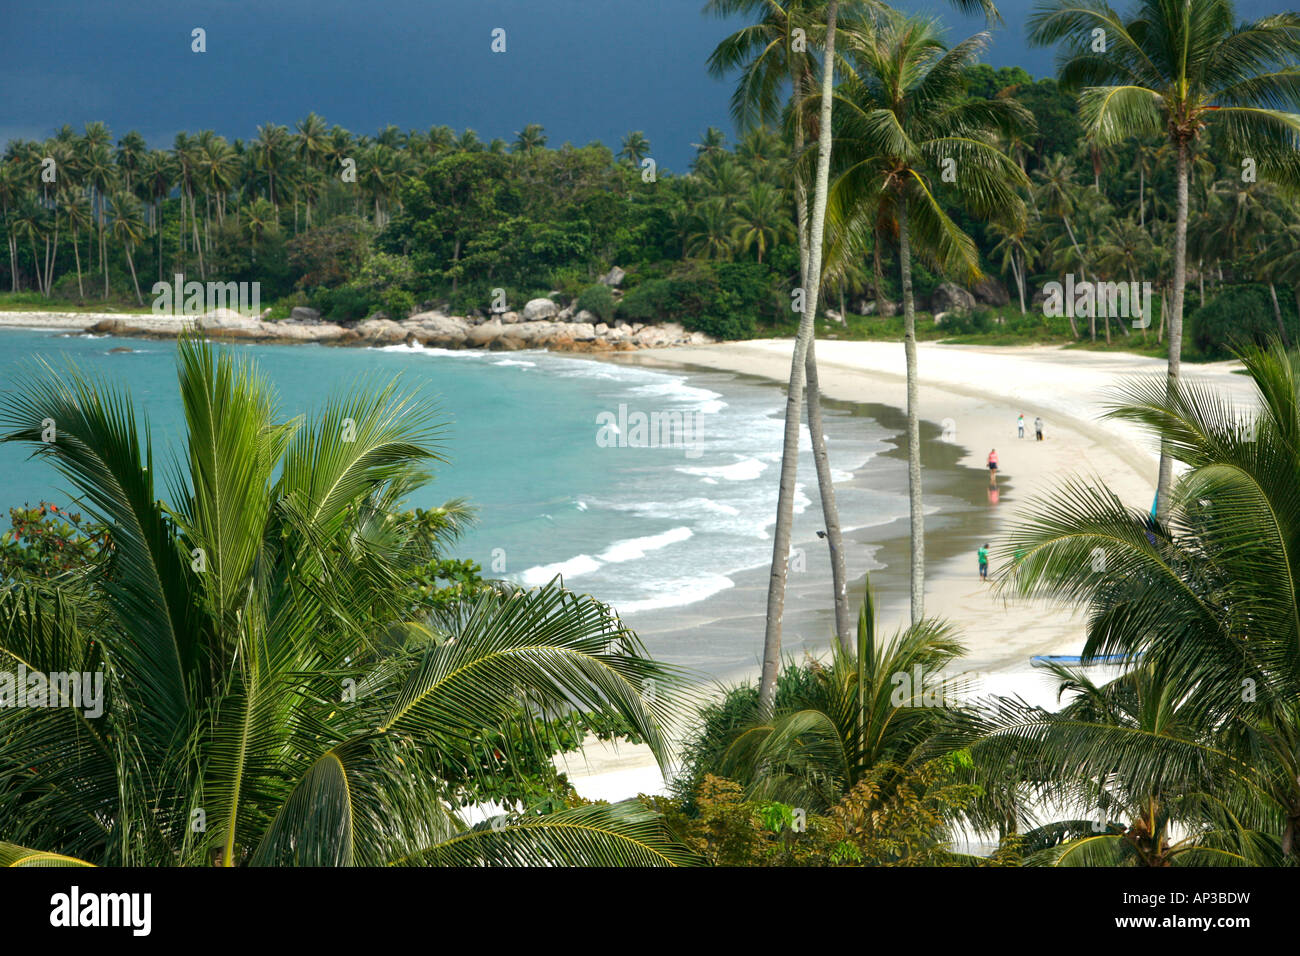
[984, 561]
[993, 464]
[1038, 429]
[1020, 426]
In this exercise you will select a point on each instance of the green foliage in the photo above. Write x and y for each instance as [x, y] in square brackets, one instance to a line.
[723, 299]
[47, 541]
[598, 300]
[271, 664]
[329, 255]
[344, 304]
[903, 822]
[1240, 315]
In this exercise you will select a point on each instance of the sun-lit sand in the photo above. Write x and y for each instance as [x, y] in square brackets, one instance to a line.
[975, 393]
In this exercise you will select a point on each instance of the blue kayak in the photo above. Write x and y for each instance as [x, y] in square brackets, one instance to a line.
[1042, 659]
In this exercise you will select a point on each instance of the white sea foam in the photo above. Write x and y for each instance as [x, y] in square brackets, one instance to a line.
[634, 548]
[678, 592]
[572, 568]
[747, 469]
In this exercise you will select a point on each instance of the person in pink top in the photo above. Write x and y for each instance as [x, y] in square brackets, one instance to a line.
[993, 463]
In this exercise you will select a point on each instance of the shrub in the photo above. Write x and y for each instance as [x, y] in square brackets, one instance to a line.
[1240, 315]
[967, 323]
[722, 300]
[598, 300]
[398, 304]
[344, 304]
[648, 302]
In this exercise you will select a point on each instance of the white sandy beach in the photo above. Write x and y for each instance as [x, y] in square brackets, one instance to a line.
[974, 393]
[980, 390]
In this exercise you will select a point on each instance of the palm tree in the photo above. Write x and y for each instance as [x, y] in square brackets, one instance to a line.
[131, 150]
[128, 229]
[1178, 68]
[770, 53]
[711, 238]
[904, 117]
[1016, 250]
[276, 693]
[1131, 759]
[76, 213]
[531, 137]
[272, 149]
[99, 173]
[1056, 194]
[1205, 594]
[635, 147]
[9, 196]
[260, 220]
[759, 221]
[865, 710]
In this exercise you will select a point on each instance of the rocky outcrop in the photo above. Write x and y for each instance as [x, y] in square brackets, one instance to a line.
[949, 297]
[538, 309]
[991, 291]
[584, 333]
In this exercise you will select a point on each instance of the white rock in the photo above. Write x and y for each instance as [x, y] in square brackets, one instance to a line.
[540, 309]
[613, 277]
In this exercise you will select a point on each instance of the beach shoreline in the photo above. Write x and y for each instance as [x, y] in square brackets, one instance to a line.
[970, 397]
[977, 392]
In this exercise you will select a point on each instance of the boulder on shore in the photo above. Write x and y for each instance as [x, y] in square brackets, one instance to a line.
[538, 309]
[614, 277]
[991, 291]
[301, 313]
[949, 297]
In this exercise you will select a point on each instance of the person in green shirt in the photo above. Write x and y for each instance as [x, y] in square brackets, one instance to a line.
[984, 562]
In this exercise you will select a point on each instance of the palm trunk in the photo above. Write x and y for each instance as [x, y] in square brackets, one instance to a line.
[830, 510]
[1175, 326]
[794, 397]
[1078, 252]
[131, 263]
[1142, 194]
[36, 265]
[1277, 314]
[76, 254]
[816, 430]
[1018, 273]
[54, 255]
[913, 420]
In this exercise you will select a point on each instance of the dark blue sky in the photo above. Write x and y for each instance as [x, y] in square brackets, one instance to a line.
[584, 69]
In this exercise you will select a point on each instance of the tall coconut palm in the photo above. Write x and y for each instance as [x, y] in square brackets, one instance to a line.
[1056, 193]
[635, 147]
[531, 137]
[760, 222]
[128, 229]
[905, 119]
[77, 215]
[1208, 593]
[9, 196]
[271, 694]
[1180, 68]
[99, 173]
[780, 48]
[712, 234]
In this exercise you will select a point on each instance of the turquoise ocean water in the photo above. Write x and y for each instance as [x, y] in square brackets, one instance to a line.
[647, 529]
